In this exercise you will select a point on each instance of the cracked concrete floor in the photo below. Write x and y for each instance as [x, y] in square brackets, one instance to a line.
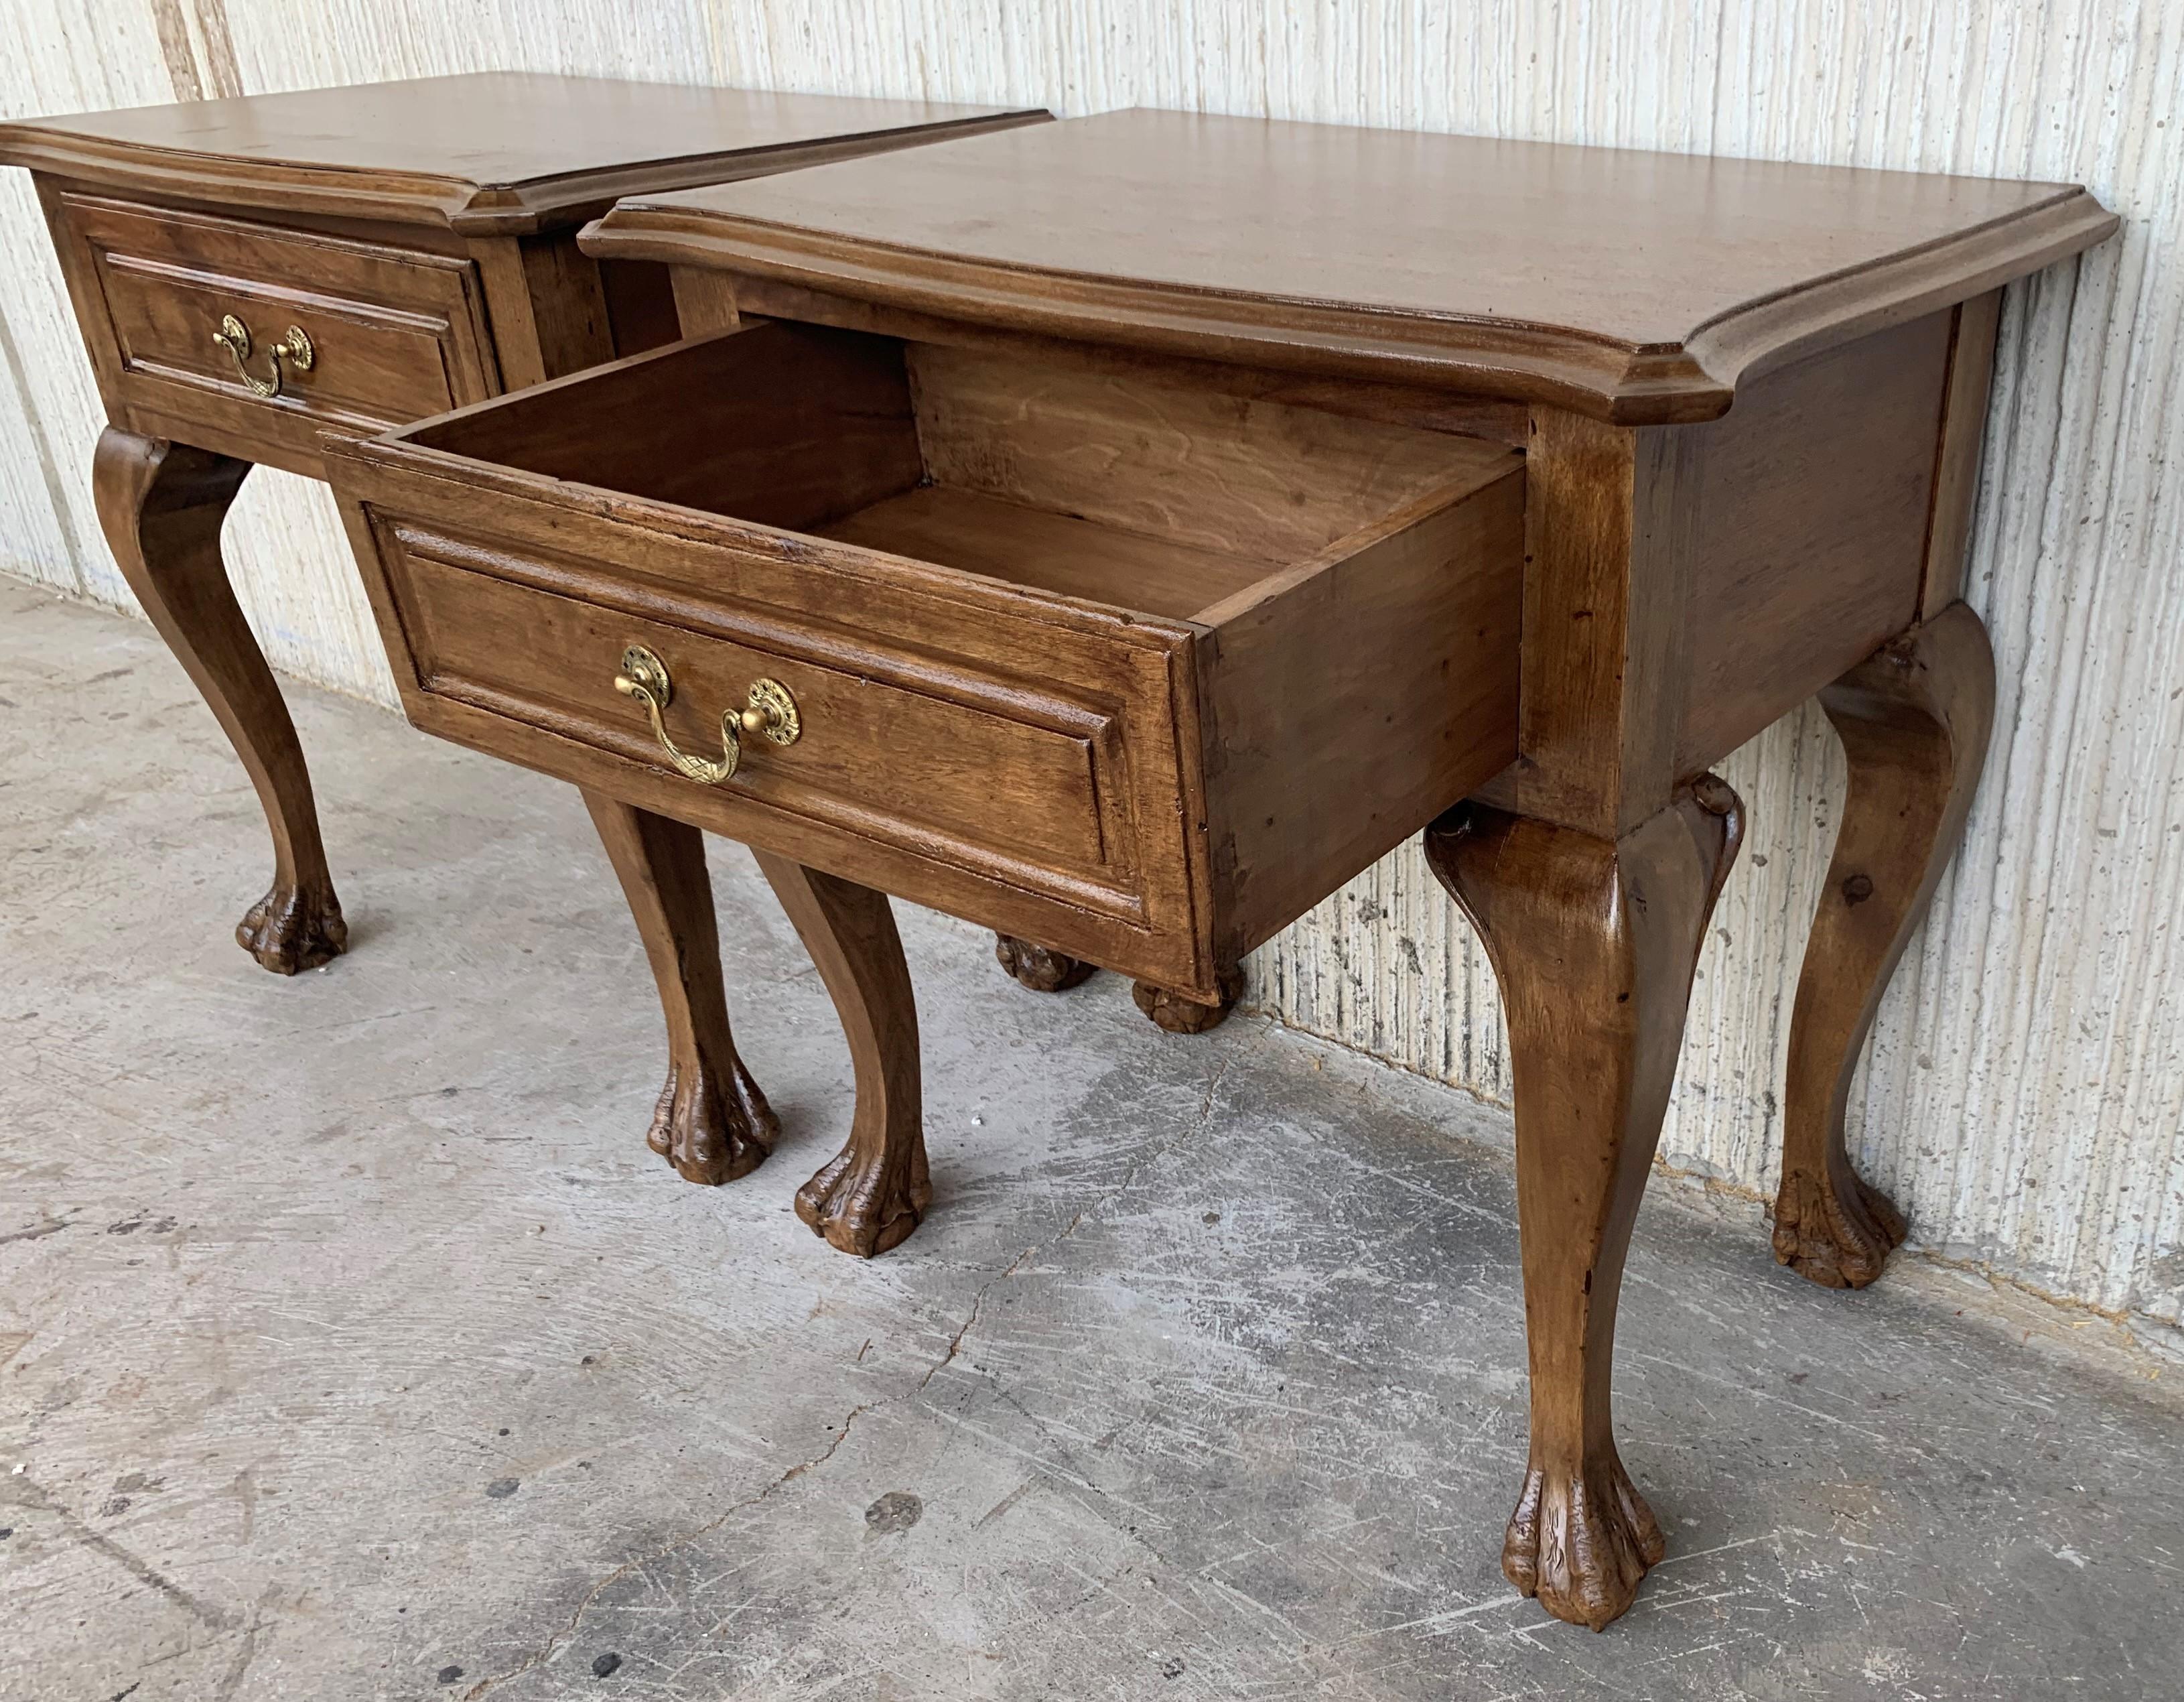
[352, 1346]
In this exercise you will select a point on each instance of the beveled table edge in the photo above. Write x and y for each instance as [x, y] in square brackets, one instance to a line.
[472, 208]
[1689, 381]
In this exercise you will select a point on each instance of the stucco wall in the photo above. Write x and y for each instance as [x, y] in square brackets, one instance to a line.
[2025, 1088]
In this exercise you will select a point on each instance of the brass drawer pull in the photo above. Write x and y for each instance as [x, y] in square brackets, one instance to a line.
[234, 336]
[770, 711]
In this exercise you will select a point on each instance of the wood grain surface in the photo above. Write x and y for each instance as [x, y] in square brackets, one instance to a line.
[491, 153]
[1638, 287]
[1134, 683]
[1594, 941]
[409, 249]
[712, 1121]
[1914, 719]
[161, 506]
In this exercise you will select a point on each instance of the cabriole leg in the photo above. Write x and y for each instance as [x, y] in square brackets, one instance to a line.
[1914, 719]
[711, 1122]
[1593, 943]
[873, 1194]
[161, 504]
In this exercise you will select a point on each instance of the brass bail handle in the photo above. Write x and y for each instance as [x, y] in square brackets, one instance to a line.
[769, 712]
[295, 349]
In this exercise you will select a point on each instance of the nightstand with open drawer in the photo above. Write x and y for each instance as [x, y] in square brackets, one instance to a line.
[1120, 660]
[1122, 531]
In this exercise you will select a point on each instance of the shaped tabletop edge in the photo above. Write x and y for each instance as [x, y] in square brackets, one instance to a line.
[77, 149]
[1689, 371]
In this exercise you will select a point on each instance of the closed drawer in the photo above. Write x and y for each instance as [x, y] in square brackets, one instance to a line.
[395, 334]
[1137, 669]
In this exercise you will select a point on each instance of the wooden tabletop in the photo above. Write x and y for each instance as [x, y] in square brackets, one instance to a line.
[500, 152]
[1639, 287]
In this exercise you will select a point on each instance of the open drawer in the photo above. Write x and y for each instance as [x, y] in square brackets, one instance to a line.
[1100, 657]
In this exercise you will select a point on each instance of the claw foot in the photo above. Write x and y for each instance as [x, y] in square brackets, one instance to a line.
[1838, 1236]
[1037, 968]
[867, 1207]
[708, 1136]
[293, 928]
[1180, 1016]
[1581, 1545]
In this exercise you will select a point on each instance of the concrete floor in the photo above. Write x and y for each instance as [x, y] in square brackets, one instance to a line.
[351, 1345]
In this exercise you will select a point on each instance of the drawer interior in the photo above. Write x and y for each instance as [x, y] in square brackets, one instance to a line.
[1124, 489]
[1187, 657]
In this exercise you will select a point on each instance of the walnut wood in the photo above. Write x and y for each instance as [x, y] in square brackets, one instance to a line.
[1151, 791]
[421, 234]
[1112, 446]
[399, 333]
[1609, 550]
[1593, 942]
[493, 154]
[548, 305]
[1692, 584]
[1639, 287]
[807, 426]
[711, 1122]
[874, 1192]
[1050, 551]
[640, 305]
[1957, 461]
[1914, 719]
[1495, 420]
[1039, 969]
[1351, 697]
[1044, 971]
[160, 506]
[1128, 501]
[1811, 501]
[705, 302]
[1180, 1014]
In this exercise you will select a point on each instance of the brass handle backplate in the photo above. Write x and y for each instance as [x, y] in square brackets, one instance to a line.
[769, 712]
[234, 336]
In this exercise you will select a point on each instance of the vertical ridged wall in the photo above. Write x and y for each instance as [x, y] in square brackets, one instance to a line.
[2025, 1088]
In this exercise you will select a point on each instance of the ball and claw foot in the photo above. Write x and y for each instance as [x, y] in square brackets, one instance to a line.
[294, 929]
[710, 1137]
[1038, 968]
[865, 1208]
[1838, 1236]
[1580, 1546]
[1180, 1016]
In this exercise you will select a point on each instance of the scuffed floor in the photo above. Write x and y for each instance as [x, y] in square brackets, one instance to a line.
[352, 1346]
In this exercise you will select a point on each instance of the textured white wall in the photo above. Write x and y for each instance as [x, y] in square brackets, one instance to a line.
[2026, 1089]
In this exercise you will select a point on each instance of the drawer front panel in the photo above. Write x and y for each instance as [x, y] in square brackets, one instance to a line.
[1028, 706]
[396, 335]
[961, 776]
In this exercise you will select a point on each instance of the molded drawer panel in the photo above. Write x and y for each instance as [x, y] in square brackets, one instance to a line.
[396, 334]
[1131, 668]
[882, 752]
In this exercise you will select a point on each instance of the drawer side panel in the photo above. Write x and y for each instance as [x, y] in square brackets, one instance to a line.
[1361, 702]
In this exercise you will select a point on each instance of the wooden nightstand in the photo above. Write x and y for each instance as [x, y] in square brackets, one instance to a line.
[247, 273]
[1121, 533]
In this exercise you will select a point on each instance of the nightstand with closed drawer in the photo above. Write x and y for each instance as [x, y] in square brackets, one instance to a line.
[249, 273]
